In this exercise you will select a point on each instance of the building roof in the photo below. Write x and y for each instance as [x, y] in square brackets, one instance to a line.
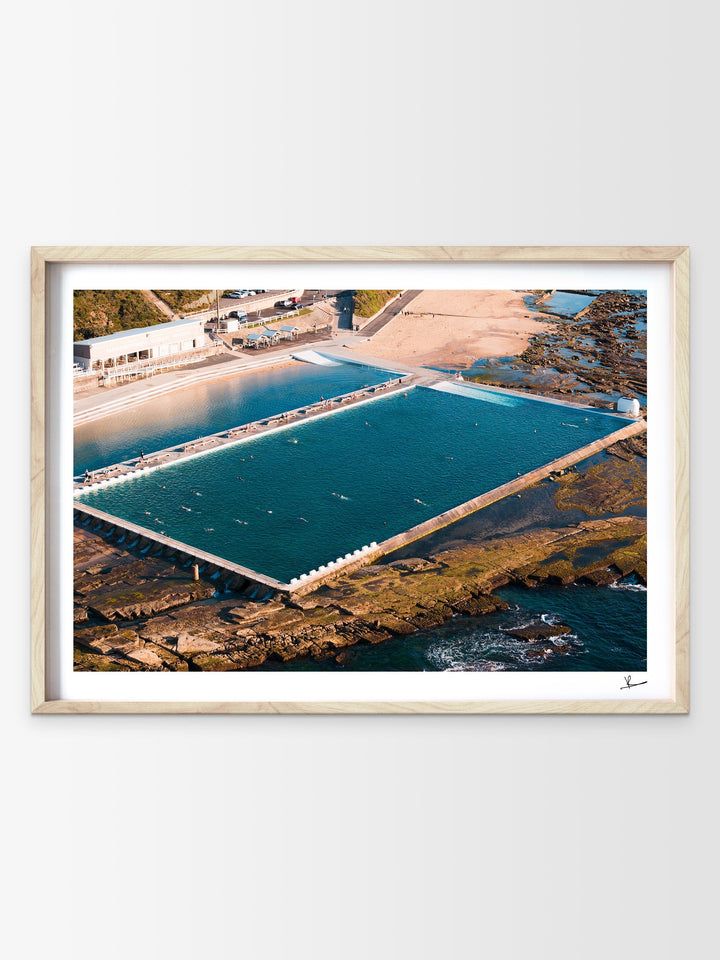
[257, 336]
[287, 328]
[270, 333]
[135, 331]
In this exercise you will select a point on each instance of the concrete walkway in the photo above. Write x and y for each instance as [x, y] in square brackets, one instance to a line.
[389, 313]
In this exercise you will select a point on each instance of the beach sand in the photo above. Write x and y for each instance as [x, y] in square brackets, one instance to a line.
[457, 327]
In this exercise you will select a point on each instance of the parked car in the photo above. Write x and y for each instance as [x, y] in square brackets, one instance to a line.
[233, 294]
[240, 314]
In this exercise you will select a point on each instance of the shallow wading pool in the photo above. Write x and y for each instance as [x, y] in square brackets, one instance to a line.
[207, 408]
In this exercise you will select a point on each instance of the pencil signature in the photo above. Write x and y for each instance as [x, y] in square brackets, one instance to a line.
[628, 683]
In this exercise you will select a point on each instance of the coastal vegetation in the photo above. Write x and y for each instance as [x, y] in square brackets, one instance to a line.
[368, 302]
[180, 300]
[100, 312]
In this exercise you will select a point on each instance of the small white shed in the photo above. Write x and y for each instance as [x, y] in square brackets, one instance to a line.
[629, 405]
[228, 325]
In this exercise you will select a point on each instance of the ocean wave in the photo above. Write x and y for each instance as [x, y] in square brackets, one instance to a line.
[634, 587]
[490, 649]
[487, 666]
[550, 619]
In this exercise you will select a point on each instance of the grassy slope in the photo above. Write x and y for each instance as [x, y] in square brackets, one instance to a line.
[181, 300]
[368, 302]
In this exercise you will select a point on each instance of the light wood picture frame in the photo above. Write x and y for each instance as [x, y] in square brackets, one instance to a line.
[44, 629]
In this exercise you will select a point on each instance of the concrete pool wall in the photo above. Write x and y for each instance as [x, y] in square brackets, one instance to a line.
[242, 578]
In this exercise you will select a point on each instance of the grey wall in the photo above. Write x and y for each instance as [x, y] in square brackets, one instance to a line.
[411, 122]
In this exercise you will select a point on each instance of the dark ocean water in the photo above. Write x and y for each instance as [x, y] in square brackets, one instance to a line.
[608, 627]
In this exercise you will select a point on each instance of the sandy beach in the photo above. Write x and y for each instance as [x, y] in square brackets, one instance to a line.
[457, 327]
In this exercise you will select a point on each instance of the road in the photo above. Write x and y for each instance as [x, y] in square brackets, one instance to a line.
[390, 311]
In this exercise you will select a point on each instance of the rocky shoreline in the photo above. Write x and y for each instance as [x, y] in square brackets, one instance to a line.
[601, 351]
[165, 621]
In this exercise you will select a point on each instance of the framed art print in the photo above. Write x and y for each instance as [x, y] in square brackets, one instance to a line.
[393, 480]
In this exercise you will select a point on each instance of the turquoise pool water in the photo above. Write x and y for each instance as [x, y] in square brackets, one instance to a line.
[211, 407]
[287, 502]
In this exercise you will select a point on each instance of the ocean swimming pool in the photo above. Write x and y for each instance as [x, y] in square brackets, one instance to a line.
[208, 408]
[299, 497]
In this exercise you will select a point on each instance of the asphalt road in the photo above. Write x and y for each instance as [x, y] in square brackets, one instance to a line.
[390, 311]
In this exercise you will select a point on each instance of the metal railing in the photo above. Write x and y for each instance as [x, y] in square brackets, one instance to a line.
[147, 368]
